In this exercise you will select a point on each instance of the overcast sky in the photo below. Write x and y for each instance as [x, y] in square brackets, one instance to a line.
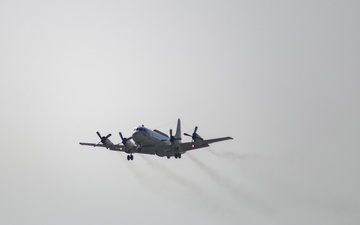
[281, 77]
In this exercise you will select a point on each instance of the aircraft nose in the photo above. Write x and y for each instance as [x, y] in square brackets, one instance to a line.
[136, 135]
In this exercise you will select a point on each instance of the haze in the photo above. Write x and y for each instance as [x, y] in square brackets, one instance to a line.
[280, 77]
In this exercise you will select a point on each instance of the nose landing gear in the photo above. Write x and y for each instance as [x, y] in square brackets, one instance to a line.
[130, 157]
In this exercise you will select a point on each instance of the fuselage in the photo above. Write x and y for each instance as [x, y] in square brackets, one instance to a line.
[151, 141]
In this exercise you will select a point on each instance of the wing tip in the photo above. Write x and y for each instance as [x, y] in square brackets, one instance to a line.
[88, 144]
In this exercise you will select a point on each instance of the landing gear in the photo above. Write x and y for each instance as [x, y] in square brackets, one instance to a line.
[177, 155]
[130, 157]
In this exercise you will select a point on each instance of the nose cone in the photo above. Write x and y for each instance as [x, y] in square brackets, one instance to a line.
[136, 136]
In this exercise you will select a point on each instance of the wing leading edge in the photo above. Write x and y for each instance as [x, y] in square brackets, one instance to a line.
[187, 146]
[117, 147]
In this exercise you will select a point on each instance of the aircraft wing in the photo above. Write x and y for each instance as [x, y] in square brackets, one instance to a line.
[116, 147]
[187, 146]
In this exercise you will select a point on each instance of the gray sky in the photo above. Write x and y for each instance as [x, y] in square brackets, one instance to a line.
[281, 77]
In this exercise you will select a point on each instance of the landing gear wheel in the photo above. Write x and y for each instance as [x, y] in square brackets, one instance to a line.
[128, 157]
[131, 157]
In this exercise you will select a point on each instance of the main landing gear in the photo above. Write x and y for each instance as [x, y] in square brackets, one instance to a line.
[130, 157]
[177, 156]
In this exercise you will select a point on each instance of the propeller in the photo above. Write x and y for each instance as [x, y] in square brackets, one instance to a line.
[124, 139]
[103, 138]
[172, 138]
[194, 135]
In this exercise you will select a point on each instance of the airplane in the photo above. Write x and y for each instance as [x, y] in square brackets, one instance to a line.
[155, 142]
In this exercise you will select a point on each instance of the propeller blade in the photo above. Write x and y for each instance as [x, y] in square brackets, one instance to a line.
[109, 135]
[171, 133]
[98, 134]
[122, 138]
[194, 135]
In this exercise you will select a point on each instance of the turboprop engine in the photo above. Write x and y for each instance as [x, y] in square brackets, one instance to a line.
[130, 147]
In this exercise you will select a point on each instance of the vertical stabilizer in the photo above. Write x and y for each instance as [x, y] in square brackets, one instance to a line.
[178, 130]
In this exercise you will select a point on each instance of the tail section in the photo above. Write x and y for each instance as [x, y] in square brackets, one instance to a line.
[178, 130]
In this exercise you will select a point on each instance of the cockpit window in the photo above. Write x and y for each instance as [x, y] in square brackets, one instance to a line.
[140, 129]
